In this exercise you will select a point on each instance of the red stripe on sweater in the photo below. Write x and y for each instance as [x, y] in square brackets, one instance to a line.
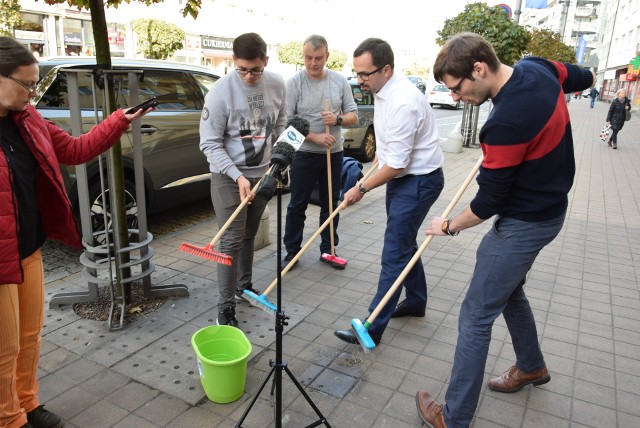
[544, 142]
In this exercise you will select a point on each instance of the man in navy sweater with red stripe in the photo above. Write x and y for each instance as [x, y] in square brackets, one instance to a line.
[524, 180]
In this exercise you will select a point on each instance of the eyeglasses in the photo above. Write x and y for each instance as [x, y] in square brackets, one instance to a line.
[364, 76]
[253, 71]
[456, 88]
[29, 87]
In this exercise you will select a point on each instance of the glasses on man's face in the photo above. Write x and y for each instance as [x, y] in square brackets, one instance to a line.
[456, 88]
[31, 87]
[254, 71]
[364, 76]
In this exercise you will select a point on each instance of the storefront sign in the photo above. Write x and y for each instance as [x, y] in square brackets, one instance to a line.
[218, 43]
[72, 39]
[627, 77]
[29, 35]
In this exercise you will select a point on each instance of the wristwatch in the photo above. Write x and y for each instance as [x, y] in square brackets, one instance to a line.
[362, 189]
[338, 120]
[446, 230]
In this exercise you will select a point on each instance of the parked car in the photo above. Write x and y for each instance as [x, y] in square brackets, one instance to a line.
[175, 171]
[419, 82]
[360, 139]
[440, 95]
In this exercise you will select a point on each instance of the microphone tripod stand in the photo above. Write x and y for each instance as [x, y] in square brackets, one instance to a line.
[277, 366]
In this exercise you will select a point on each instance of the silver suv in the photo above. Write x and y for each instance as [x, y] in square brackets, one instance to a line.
[175, 171]
[360, 139]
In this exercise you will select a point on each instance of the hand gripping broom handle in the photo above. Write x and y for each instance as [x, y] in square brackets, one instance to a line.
[329, 185]
[421, 249]
[244, 202]
[317, 232]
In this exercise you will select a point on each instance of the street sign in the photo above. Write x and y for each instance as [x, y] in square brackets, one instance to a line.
[506, 8]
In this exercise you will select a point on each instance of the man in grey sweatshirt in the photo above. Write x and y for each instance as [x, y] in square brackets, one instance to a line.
[242, 111]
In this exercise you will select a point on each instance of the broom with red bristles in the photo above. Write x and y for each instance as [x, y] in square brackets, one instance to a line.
[331, 258]
[208, 252]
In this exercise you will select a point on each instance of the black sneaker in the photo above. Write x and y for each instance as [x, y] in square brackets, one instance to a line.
[227, 317]
[42, 418]
[288, 258]
[241, 296]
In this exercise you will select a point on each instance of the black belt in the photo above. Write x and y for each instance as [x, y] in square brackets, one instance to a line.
[428, 174]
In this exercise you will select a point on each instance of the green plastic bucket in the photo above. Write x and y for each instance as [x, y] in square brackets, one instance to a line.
[222, 353]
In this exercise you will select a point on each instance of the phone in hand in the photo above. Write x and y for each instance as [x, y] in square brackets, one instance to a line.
[151, 102]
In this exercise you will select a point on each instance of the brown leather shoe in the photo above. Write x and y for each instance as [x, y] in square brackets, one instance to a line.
[429, 410]
[514, 379]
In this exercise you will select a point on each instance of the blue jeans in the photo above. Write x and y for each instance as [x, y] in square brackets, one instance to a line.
[503, 259]
[408, 200]
[593, 101]
[307, 170]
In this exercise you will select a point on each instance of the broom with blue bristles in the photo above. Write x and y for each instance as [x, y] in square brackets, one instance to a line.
[361, 329]
[262, 301]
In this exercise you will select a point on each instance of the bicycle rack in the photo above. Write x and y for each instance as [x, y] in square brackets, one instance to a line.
[133, 260]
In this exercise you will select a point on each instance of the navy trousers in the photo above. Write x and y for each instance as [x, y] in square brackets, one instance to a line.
[408, 200]
[307, 170]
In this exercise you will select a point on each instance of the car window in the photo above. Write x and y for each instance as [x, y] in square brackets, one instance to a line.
[361, 98]
[440, 88]
[205, 82]
[174, 90]
[57, 93]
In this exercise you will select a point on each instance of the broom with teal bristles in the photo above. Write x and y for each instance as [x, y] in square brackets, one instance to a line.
[361, 329]
[262, 301]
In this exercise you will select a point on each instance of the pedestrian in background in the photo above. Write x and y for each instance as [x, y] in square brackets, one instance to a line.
[34, 206]
[307, 92]
[526, 174]
[410, 164]
[241, 112]
[617, 115]
[593, 94]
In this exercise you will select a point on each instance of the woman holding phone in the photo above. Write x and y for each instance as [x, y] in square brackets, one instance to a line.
[33, 207]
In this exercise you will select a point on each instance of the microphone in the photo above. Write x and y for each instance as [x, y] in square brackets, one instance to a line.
[284, 153]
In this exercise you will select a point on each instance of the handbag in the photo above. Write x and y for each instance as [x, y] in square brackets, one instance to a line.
[605, 132]
[627, 116]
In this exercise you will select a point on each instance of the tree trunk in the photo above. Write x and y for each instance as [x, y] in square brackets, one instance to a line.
[116, 171]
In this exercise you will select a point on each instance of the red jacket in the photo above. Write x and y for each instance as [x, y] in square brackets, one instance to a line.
[50, 145]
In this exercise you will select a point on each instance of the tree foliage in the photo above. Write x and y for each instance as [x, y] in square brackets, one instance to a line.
[190, 7]
[337, 60]
[291, 53]
[157, 39]
[509, 39]
[9, 16]
[548, 44]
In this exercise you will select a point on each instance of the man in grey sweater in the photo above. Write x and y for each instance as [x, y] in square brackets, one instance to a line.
[242, 111]
[307, 93]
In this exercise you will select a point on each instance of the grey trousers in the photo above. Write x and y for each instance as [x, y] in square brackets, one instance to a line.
[239, 238]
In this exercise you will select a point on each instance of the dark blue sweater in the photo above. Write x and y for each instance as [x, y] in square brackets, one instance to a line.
[528, 164]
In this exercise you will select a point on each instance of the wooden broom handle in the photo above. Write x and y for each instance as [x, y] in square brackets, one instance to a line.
[329, 185]
[244, 202]
[422, 247]
[340, 207]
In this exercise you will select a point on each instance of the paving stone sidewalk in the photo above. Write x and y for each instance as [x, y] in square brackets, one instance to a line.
[583, 288]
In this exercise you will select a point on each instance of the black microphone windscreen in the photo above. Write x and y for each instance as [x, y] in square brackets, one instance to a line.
[285, 150]
[301, 124]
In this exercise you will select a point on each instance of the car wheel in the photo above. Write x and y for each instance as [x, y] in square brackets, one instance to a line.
[368, 148]
[99, 209]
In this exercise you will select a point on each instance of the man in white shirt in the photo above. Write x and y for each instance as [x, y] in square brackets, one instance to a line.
[410, 162]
